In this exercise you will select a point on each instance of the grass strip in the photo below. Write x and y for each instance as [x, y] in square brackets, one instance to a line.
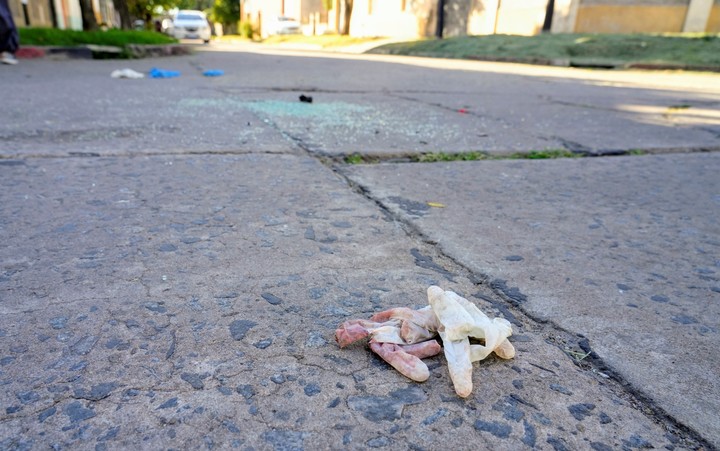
[686, 49]
[73, 38]
[435, 157]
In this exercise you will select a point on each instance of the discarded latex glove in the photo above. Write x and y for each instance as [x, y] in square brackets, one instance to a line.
[461, 320]
[406, 359]
[399, 325]
[357, 329]
[415, 325]
[402, 336]
[213, 73]
[162, 73]
[126, 73]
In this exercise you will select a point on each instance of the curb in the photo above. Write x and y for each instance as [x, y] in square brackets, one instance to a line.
[568, 62]
[590, 64]
[144, 51]
[102, 51]
[652, 66]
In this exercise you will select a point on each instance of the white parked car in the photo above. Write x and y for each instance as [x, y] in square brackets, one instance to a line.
[188, 24]
[283, 25]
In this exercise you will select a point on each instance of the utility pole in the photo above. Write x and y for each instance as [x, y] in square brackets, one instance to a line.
[440, 19]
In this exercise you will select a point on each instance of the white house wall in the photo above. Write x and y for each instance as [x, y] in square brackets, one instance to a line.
[409, 19]
[382, 18]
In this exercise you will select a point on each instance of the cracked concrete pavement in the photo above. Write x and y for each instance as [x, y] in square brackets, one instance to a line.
[176, 254]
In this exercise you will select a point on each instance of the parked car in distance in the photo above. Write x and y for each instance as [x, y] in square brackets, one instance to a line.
[283, 25]
[189, 24]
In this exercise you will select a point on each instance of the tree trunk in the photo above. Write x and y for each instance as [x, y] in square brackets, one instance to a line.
[88, 16]
[547, 24]
[230, 28]
[440, 25]
[346, 17]
[122, 8]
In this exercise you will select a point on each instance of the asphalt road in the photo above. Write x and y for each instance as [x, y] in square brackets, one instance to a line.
[176, 253]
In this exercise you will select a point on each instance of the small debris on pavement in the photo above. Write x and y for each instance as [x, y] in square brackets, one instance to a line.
[29, 52]
[305, 99]
[126, 73]
[162, 73]
[403, 336]
[213, 73]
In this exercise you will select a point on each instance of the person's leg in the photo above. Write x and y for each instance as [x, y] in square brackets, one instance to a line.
[9, 38]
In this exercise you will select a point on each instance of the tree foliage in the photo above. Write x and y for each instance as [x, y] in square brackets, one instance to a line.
[144, 9]
[200, 5]
[226, 12]
[130, 10]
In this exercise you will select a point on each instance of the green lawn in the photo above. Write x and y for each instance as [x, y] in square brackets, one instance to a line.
[701, 50]
[71, 38]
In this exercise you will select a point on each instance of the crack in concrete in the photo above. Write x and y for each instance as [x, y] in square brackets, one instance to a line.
[26, 414]
[578, 151]
[595, 365]
[6, 159]
[59, 303]
[55, 401]
[81, 134]
[543, 328]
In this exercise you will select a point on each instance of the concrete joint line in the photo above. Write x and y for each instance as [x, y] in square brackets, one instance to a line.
[591, 362]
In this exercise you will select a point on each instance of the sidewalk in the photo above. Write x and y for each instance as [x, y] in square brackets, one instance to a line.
[168, 306]
[176, 254]
[626, 244]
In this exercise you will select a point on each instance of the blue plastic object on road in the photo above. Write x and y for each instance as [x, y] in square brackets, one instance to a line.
[162, 73]
[213, 73]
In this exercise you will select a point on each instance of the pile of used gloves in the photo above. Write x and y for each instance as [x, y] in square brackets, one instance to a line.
[403, 336]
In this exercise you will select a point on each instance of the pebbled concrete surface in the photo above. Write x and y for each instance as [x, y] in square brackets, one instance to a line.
[377, 105]
[176, 254]
[623, 250]
[191, 301]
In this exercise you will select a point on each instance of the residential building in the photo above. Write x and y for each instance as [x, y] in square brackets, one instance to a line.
[310, 13]
[418, 18]
[63, 14]
[410, 19]
[648, 16]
